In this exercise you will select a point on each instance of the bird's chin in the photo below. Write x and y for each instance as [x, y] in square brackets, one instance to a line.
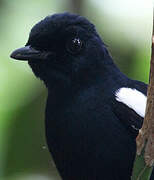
[50, 74]
[34, 61]
[38, 67]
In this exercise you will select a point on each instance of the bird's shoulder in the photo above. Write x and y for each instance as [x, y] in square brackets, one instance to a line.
[119, 98]
[129, 104]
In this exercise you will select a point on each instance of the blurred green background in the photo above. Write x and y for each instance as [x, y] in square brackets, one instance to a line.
[125, 27]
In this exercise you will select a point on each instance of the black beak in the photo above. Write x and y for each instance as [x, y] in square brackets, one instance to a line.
[27, 53]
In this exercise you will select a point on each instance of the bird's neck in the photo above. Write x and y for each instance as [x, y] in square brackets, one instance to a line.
[102, 73]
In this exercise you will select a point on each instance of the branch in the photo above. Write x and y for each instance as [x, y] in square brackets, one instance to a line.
[145, 140]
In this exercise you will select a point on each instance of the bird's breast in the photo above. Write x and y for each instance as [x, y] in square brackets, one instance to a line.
[82, 133]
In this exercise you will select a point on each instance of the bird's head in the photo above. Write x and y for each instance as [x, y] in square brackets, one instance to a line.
[63, 47]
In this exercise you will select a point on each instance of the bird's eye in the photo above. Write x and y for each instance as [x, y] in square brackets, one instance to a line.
[74, 46]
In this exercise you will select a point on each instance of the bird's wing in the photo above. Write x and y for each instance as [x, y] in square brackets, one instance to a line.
[129, 105]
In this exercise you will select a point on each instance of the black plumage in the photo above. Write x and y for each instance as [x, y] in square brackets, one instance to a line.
[90, 135]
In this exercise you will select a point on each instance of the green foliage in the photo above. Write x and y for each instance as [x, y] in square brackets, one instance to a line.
[140, 170]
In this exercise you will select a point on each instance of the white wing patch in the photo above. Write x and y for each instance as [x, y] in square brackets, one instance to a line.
[133, 98]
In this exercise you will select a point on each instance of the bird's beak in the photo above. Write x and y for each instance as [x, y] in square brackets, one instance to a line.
[27, 53]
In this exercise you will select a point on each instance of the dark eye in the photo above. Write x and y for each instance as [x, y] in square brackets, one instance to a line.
[74, 46]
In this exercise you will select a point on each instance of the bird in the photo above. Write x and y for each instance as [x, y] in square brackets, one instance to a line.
[93, 112]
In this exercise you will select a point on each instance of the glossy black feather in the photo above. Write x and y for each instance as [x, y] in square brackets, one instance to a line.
[90, 135]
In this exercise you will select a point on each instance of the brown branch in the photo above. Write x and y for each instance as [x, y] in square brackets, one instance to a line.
[146, 134]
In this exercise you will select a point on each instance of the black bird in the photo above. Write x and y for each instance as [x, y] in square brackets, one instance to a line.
[93, 110]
